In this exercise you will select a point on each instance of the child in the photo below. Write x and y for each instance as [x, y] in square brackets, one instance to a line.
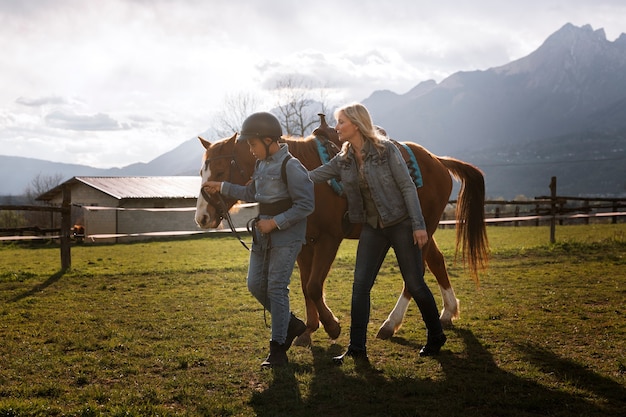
[279, 231]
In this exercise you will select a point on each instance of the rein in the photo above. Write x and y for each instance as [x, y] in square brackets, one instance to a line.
[229, 220]
[222, 211]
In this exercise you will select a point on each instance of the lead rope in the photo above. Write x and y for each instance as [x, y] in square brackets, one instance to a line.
[266, 273]
[250, 226]
[229, 220]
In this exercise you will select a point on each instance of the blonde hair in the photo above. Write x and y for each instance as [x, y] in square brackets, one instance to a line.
[360, 117]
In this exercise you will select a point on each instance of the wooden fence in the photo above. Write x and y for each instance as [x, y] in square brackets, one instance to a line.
[64, 230]
[551, 209]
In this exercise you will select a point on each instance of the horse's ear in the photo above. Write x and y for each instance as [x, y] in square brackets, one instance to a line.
[205, 143]
[233, 137]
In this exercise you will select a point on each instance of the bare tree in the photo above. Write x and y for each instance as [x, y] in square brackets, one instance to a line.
[235, 108]
[39, 185]
[297, 105]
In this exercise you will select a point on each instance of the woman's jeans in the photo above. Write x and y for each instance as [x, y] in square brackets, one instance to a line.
[372, 249]
[269, 275]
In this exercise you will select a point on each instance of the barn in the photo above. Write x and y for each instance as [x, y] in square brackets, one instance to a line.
[128, 208]
[114, 209]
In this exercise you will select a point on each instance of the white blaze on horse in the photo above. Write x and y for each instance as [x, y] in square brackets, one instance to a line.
[227, 160]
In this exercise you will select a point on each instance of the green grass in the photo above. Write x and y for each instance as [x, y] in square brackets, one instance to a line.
[168, 328]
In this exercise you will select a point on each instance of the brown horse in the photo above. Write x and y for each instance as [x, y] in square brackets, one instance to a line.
[228, 160]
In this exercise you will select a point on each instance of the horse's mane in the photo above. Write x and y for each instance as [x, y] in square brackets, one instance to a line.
[305, 149]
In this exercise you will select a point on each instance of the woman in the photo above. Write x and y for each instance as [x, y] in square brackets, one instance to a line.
[382, 196]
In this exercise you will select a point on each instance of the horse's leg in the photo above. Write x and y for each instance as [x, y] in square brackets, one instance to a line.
[305, 262]
[437, 265]
[394, 320]
[325, 250]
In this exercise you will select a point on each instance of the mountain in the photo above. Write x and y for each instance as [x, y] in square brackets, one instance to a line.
[560, 111]
[185, 159]
[574, 81]
[18, 172]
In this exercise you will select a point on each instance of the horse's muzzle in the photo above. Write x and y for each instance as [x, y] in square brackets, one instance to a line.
[214, 211]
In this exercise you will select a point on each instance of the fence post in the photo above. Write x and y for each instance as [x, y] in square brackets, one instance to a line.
[552, 209]
[496, 215]
[66, 225]
[537, 213]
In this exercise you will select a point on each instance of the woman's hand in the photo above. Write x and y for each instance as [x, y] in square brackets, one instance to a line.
[420, 237]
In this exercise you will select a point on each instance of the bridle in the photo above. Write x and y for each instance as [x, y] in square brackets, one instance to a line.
[218, 203]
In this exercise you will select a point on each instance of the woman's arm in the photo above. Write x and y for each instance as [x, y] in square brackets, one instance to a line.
[327, 171]
[405, 184]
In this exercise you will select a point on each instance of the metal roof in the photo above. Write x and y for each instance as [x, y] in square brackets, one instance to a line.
[135, 187]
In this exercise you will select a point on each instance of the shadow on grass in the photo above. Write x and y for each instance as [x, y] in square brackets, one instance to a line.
[578, 377]
[39, 287]
[472, 385]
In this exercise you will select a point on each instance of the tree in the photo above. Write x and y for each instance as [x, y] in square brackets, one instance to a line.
[296, 105]
[39, 185]
[235, 108]
[297, 108]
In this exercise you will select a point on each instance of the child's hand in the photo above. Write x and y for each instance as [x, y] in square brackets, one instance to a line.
[212, 187]
[265, 226]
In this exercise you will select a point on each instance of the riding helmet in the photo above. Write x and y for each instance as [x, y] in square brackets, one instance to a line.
[260, 125]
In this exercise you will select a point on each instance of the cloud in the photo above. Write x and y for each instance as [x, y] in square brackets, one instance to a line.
[351, 75]
[42, 101]
[100, 121]
[154, 73]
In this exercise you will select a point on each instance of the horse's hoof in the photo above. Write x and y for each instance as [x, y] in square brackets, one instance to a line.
[304, 340]
[333, 330]
[446, 323]
[386, 331]
[446, 319]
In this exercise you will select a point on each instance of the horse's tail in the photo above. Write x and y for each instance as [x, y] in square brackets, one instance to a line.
[471, 232]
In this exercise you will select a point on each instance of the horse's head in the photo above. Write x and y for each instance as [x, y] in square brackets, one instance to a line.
[225, 160]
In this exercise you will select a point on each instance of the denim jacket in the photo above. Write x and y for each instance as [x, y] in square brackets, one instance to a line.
[387, 175]
[267, 186]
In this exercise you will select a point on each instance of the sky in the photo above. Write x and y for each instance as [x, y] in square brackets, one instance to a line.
[109, 83]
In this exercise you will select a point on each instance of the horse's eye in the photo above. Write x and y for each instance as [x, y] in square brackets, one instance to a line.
[219, 176]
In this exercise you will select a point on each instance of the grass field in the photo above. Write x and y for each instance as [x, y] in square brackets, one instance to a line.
[168, 328]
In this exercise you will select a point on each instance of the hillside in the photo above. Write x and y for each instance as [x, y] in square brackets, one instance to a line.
[586, 163]
[18, 172]
[560, 111]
